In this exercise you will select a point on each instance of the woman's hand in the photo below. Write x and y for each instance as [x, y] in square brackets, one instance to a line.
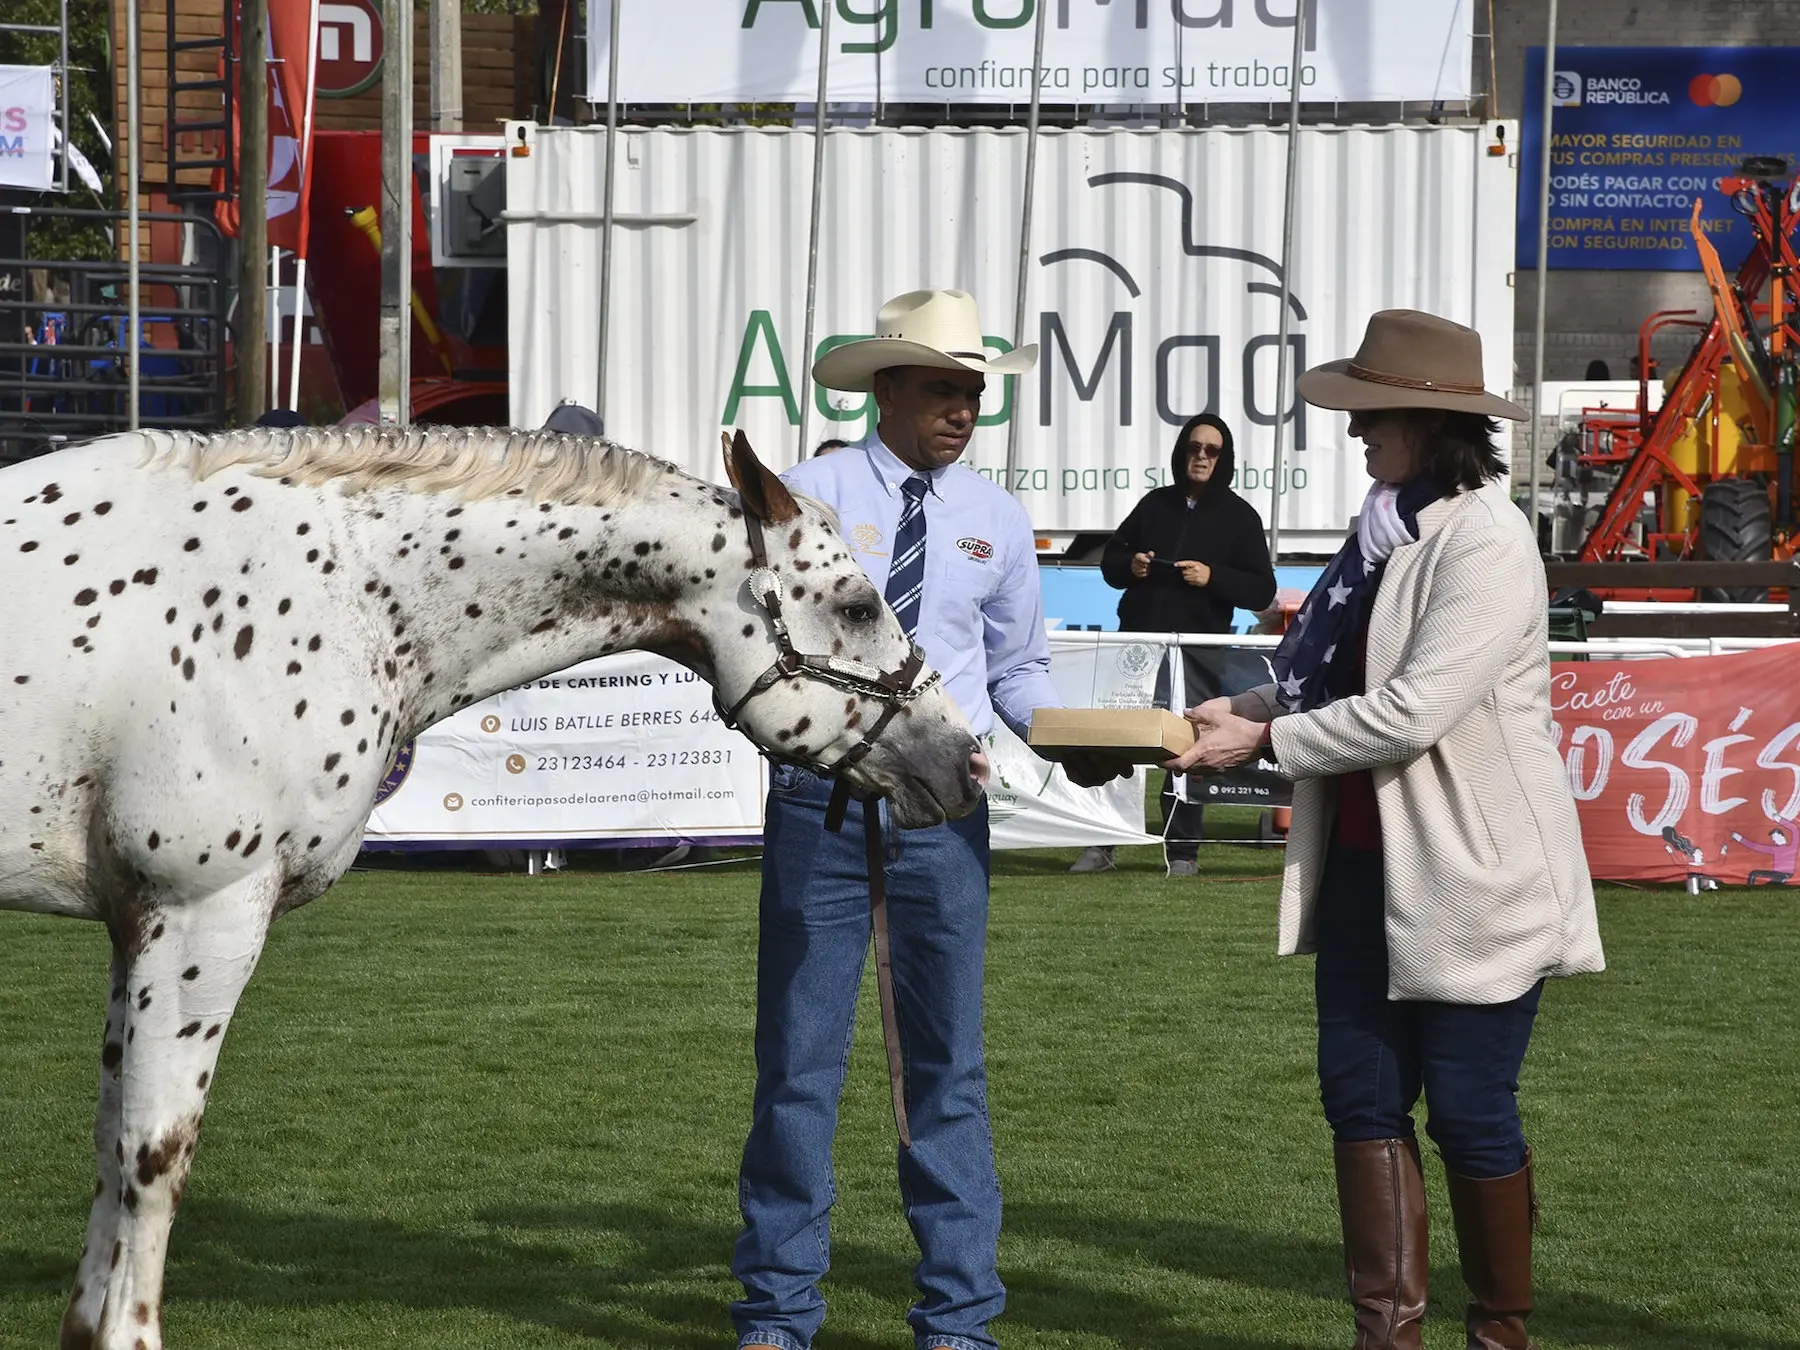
[1222, 739]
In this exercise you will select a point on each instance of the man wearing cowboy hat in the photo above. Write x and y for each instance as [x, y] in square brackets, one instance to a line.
[958, 563]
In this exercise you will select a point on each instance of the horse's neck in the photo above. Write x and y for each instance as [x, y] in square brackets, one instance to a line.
[494, 593]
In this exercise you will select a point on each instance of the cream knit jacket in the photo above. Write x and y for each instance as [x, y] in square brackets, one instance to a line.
[1487, 883]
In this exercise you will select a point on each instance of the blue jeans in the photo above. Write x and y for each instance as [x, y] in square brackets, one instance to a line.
[1375, 1056]
[814, 932]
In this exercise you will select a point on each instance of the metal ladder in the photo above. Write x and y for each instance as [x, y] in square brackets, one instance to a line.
[201, 165]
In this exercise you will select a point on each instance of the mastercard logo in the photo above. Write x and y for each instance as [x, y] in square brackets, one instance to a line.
[1715, 91]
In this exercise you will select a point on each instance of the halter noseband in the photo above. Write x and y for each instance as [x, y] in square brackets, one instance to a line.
[893, 689]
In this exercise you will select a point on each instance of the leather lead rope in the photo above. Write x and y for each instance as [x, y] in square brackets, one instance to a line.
[875, 852]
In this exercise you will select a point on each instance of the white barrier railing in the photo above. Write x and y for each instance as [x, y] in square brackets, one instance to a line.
[1618, 648]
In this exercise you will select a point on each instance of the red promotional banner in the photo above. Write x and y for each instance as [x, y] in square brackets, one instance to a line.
[1685, 769]
[288, 52]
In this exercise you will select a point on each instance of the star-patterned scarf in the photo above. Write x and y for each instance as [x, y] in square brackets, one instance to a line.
[1315, 662]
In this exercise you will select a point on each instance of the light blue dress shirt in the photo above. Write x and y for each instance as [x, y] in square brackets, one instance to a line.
[981, 617]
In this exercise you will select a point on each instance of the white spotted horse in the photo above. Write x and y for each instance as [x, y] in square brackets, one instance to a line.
[215, 645]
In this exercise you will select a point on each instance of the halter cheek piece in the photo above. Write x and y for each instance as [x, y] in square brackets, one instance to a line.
[893, 689]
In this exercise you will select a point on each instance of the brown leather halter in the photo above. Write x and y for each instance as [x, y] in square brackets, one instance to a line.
[893, 689]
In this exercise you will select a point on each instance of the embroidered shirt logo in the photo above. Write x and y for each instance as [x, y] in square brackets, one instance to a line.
[978, 549]
[864, 538]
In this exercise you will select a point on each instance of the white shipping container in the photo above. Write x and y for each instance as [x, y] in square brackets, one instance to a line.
[1153, 287]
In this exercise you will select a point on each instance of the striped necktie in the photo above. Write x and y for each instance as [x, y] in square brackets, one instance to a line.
[906, 577]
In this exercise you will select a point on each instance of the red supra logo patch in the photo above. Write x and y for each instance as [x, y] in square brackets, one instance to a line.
[978, 549]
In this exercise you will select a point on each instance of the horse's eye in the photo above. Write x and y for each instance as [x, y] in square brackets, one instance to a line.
[859, 613]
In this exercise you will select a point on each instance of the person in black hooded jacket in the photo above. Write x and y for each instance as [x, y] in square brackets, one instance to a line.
[1186, 557]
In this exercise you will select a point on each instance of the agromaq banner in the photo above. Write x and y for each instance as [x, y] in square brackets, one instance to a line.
[1685, 770]
[981, 51]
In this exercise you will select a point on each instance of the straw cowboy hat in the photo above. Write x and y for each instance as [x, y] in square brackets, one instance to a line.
[1409, 360]
[939, 329]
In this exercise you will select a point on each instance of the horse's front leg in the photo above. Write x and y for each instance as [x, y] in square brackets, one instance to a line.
[192, 961]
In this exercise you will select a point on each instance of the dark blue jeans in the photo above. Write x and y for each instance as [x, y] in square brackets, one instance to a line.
[813, 937]
[1375, 1055]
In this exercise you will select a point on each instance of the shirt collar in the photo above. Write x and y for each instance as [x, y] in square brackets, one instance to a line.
[892, 471]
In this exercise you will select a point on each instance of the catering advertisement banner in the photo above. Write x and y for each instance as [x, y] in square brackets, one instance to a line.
[628, 750]
[981, 51]
[27, 127]
[623, 750]
[1685, 770]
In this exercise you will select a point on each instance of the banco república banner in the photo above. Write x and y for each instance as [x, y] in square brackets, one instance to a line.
[1640, 134]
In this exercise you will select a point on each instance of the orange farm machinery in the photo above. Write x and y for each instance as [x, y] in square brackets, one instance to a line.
[1710, 473]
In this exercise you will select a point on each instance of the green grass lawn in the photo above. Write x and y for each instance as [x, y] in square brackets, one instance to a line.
[461, 1110]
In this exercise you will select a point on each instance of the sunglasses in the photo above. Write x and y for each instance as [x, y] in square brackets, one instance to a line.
[1210, 451]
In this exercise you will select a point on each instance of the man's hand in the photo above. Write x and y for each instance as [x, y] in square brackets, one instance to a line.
[1194, 573]
[1222, 740]
[1140, 565]
[1086, 769]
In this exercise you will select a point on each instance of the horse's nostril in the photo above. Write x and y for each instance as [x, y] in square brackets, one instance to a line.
[979, 768]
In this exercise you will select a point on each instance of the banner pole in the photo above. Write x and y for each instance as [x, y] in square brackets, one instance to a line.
[133, 91]
[606, 229]
[1178, 697]
[274, 327]
[293, 393]
[306, 134]
[253, 207]
[446, 92]
[1282, 352]
[1543, 265]
[812, 244]
[1017, 417]
[395, 384]
[68, 145]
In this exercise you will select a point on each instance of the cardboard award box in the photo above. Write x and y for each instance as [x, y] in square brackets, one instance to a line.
[1138, 735]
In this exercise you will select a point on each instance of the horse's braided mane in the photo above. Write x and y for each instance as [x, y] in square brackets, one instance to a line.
[472, 462]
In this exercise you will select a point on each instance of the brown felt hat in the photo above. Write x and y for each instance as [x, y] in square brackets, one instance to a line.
[1409, 359]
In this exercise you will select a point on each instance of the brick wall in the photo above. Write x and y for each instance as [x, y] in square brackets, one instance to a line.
[488, 49]
[487, 59]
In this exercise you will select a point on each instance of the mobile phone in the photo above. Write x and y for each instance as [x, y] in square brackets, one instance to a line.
[1163, 564]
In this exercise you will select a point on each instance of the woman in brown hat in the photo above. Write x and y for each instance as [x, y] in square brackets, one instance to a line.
[1435, 862]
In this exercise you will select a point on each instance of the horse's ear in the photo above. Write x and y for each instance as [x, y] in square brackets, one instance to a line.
[764, 495]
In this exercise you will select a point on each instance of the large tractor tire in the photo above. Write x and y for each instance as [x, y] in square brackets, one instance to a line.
[1736, 525]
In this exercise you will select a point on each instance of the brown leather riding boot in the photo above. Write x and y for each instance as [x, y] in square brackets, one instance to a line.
[1381, 1200]
[1494, 1220]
